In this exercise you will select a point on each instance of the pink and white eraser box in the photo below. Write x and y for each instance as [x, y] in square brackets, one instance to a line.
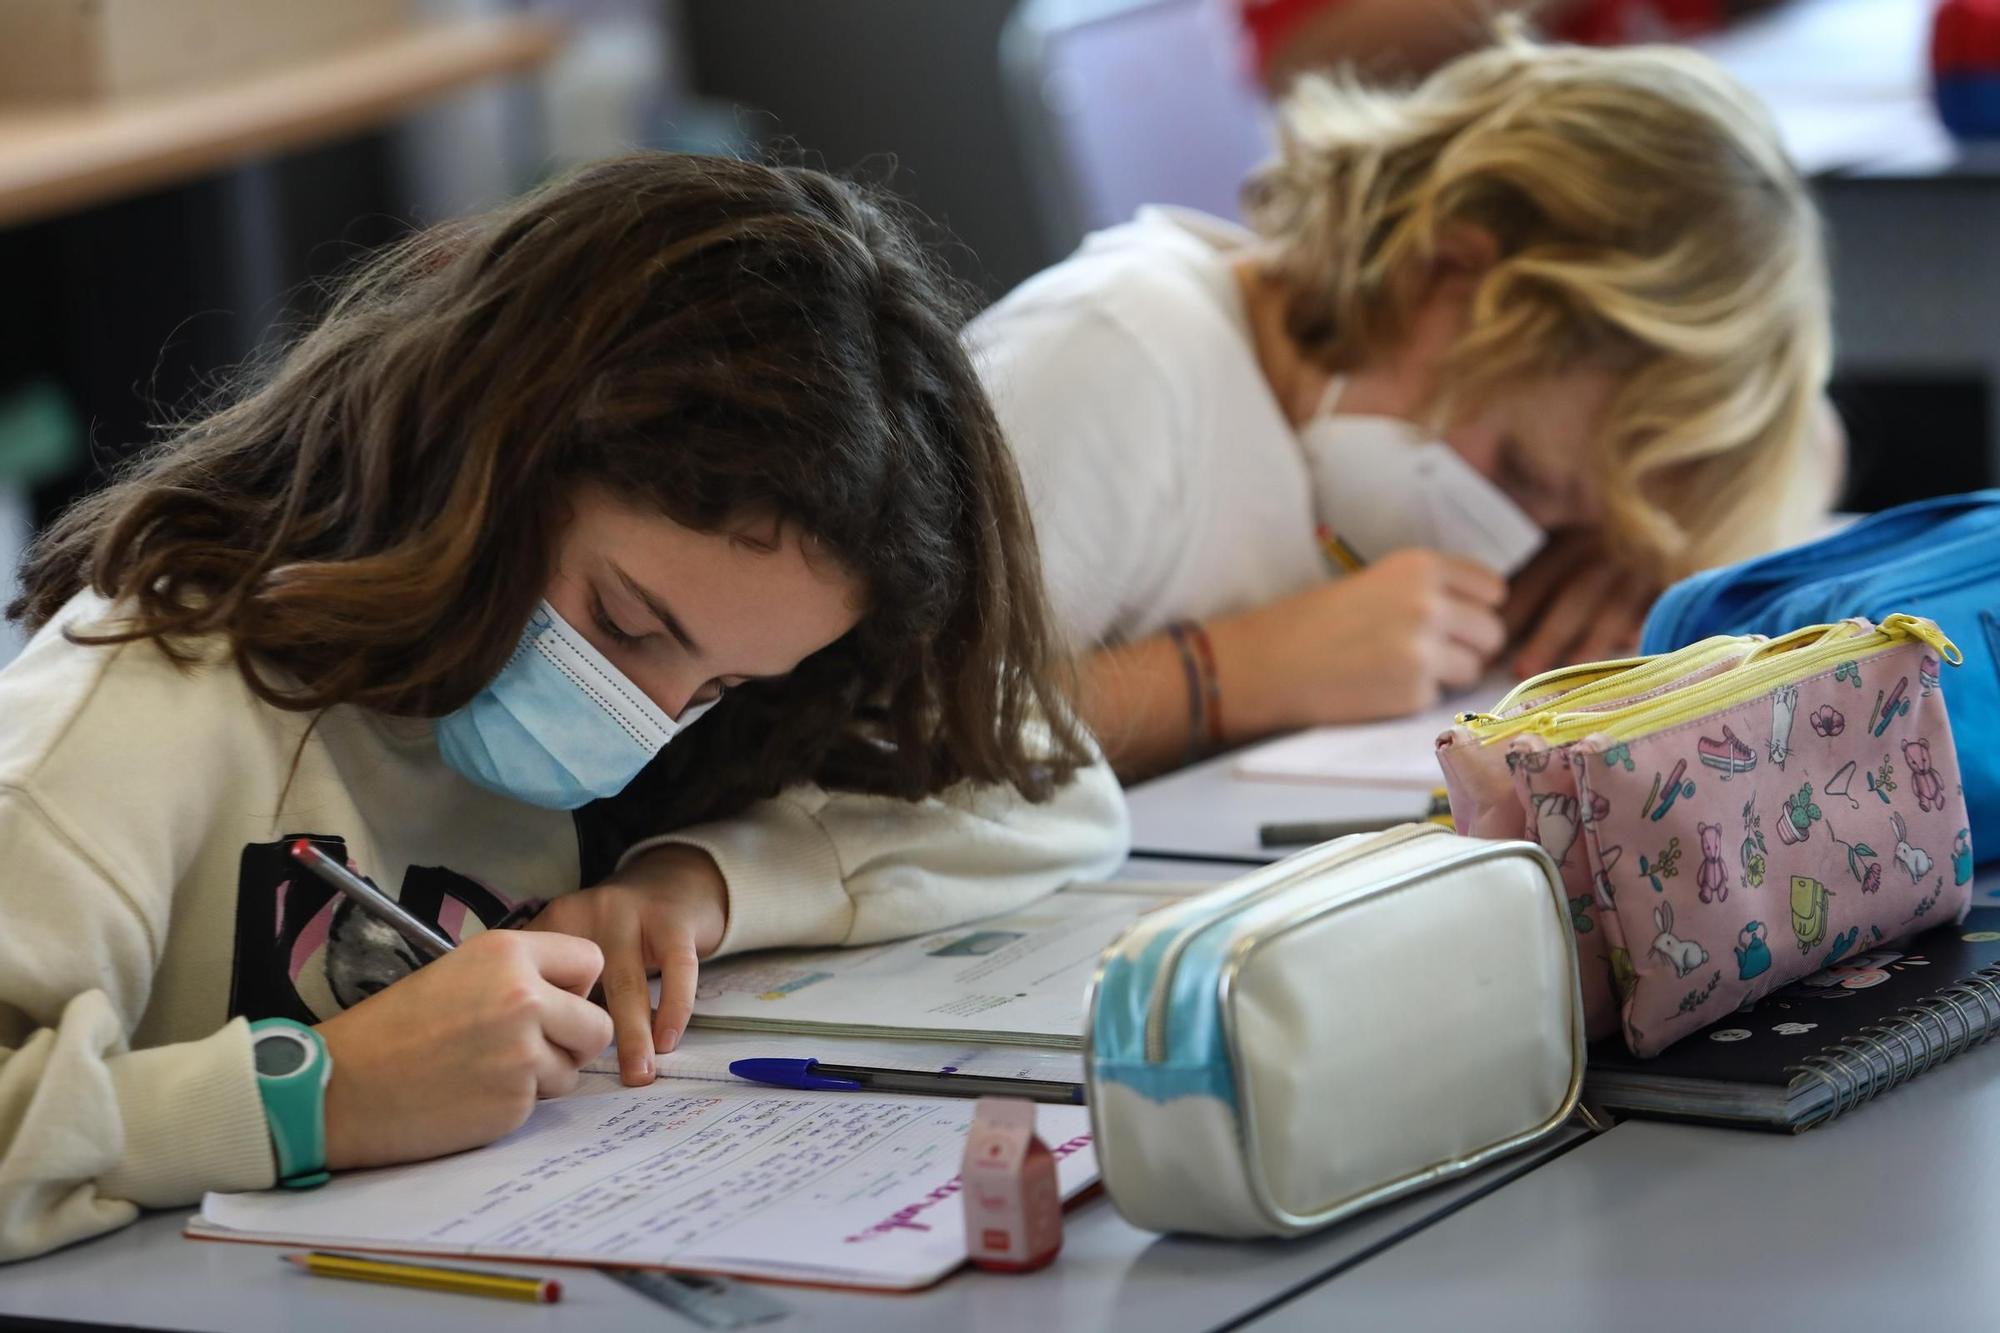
[1013, 1207]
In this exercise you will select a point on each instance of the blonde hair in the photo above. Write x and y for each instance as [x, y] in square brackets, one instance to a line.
[1647, 221]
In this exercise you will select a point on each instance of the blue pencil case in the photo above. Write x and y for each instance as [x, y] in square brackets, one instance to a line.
[1939, 559]
[1356, 1022]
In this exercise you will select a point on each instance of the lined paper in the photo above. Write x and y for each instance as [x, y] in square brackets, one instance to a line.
[826, 1187]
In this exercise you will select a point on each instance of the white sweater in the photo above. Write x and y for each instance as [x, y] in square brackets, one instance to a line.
[148, 910]
[1164, 477]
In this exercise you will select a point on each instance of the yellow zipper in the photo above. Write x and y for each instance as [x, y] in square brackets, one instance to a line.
[1749, 681]
[1651, 674]
[1637, 676]
[1537, 688]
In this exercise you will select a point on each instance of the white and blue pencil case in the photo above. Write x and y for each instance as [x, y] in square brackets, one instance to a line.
[1334, 1031]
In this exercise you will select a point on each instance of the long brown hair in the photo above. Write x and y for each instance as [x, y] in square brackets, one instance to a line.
[373, 522]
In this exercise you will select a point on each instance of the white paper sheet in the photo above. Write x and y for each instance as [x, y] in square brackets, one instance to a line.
[1398, 753]
[1017, 978]
[814, 1187]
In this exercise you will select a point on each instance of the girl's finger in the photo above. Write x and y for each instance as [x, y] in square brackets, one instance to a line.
[1478, 628]
[576, 1027]
[1459, 666]
[674, 951]
[629, 1001]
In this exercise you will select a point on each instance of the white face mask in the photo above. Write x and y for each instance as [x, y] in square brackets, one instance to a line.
[1381, 484]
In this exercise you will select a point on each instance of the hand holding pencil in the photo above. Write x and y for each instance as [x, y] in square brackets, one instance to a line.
[1388, 641]
[454, 1055]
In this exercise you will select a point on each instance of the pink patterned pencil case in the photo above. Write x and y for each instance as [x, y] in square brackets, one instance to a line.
[1649, 855]
[1502, 782]
[1762, 824]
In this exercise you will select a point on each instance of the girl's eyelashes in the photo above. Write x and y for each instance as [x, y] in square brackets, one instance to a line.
[610, 626]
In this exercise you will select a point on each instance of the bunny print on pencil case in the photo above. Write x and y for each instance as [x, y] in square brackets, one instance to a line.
[1846, 876]
[1684, 956]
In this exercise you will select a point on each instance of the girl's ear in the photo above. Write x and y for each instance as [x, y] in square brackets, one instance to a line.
[1464, 250]
[1463, 254]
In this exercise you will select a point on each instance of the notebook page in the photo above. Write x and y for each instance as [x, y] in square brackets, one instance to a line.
[1401, 752]
[821, 1187]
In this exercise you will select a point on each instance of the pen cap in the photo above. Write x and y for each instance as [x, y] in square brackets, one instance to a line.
[1013, 1208]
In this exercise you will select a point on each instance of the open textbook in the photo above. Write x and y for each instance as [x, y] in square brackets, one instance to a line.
[1401, 752]
[1020, 978]
[833, 1188]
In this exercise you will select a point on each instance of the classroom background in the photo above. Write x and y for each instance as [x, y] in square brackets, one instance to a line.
[179, 178]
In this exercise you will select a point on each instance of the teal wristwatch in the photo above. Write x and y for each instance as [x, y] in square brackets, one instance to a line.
[292, 1070]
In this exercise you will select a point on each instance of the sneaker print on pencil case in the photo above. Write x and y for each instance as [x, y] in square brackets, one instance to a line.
[1727, 754]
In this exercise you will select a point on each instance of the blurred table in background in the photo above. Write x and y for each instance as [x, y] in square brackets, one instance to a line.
[61, 158]
[1913, 217]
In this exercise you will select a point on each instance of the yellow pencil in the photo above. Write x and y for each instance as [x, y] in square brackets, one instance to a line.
[1338, 553]
[469, 1281]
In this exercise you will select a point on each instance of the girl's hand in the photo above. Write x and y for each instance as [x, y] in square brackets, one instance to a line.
[664, 912]
[1575, 603]
[1390, 640]
[454, 1055]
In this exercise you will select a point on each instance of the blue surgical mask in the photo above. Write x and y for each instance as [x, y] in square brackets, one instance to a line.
[560, 726]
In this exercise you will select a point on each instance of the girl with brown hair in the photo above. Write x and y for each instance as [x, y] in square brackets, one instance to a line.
[673, 438]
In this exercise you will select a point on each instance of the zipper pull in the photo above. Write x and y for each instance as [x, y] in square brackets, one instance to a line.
[1917, 627]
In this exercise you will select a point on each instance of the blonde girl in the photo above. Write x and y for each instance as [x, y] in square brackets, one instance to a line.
[1556, 315]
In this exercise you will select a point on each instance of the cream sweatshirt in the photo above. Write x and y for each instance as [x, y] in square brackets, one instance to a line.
[148, 910]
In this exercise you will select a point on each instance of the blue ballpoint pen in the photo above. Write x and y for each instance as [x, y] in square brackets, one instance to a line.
[812, 1075]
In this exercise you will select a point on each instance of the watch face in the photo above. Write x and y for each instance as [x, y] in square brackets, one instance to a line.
[280, 1053]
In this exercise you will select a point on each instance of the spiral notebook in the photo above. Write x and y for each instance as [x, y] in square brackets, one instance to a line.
[1819, 1047]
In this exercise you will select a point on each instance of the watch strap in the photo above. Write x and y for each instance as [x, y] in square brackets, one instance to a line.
[295, 1105]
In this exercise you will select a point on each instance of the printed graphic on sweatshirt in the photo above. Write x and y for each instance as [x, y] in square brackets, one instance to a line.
[304, 952]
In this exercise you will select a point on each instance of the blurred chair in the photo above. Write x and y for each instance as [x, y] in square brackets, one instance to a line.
[1118, 103]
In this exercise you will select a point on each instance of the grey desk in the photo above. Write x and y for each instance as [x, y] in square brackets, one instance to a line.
[1885, 1219]
[1110, 1275]
[148, 1276]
